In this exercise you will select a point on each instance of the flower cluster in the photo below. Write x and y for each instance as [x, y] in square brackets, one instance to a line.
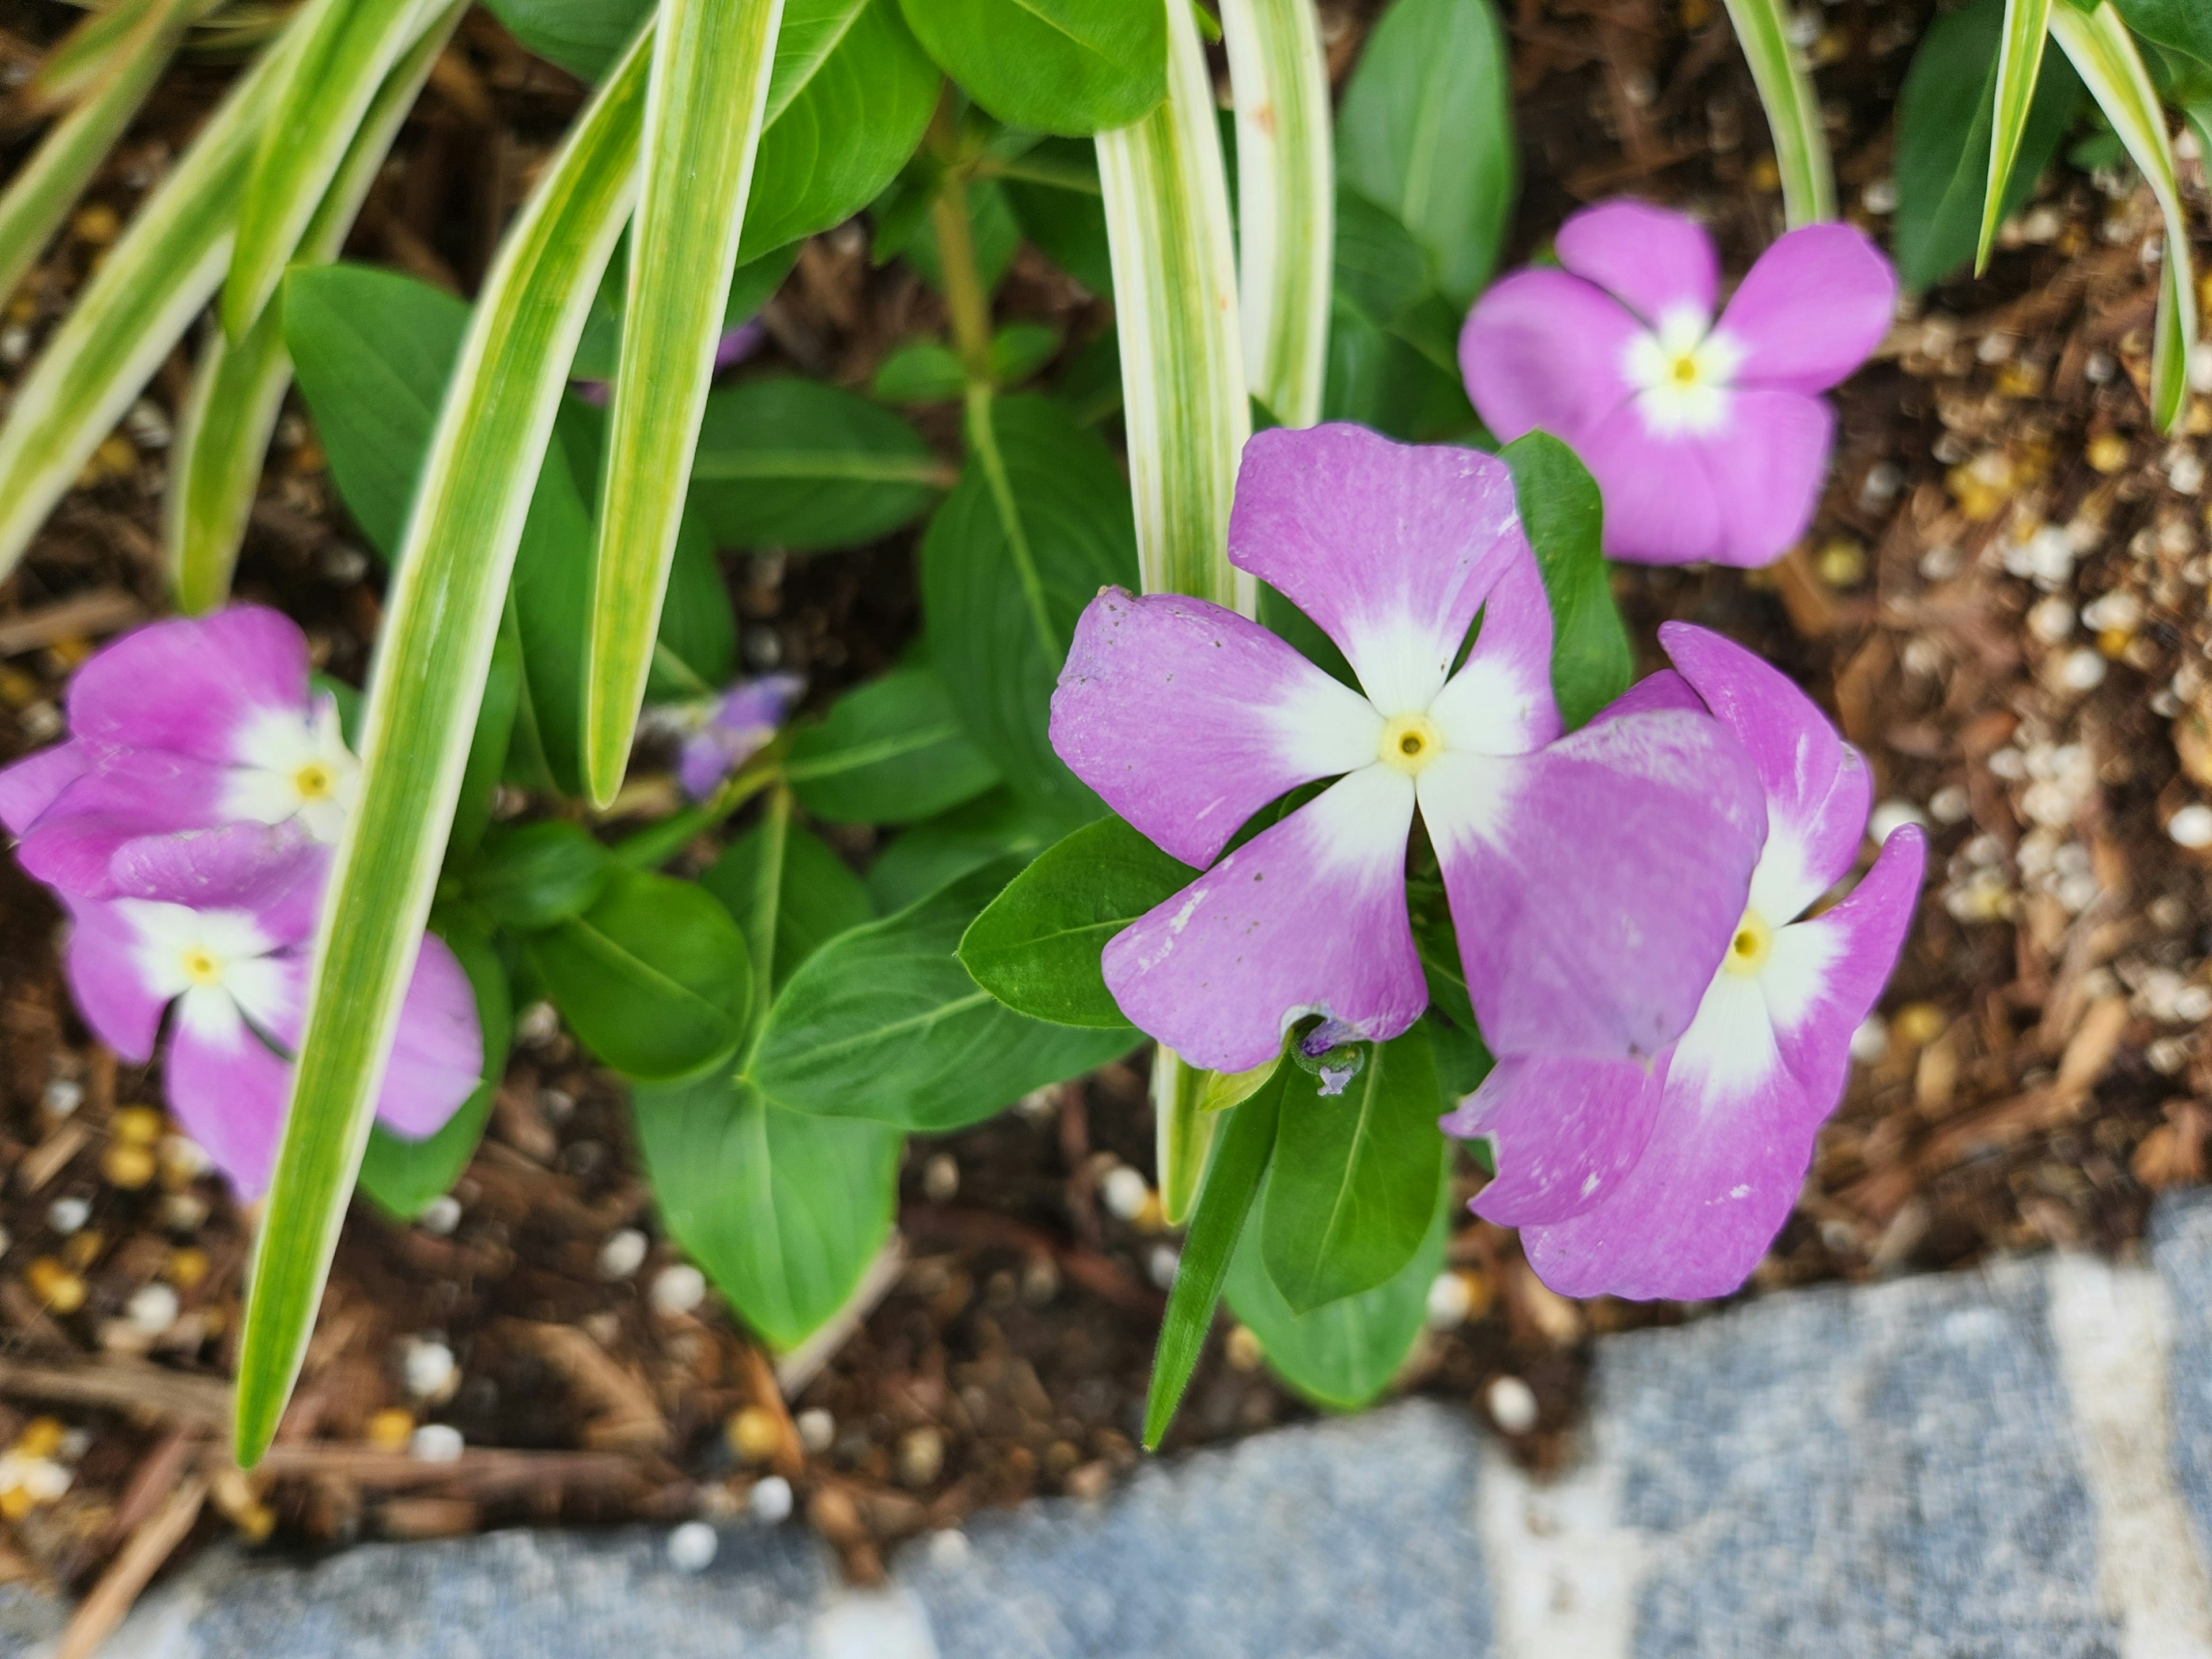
[1624, 896]
[187, 825]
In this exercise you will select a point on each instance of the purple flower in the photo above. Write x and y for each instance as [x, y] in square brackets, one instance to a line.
[185, 724]
[1670, 1178]
[1594, 878]
[724, 734]
[1708, 440]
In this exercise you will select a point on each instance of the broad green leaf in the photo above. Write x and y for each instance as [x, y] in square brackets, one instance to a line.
[1342, 1355]
[1383, 371]
[584, 37]
[1285, 197]
[1053, 189]
[919, 372]
[996, 232]
[1793, 109]
[404, 1175]
[1019, 351]
[1065, 66]
[1592, 661]
[931, 853]
[1354, 1181]
[752, 286]
[1038, 523]
[489, 749]
[1232, 1185]
[1463, 1060]
[2105, 55]
[1436, 943]
[1035, 947]
[2182, 26]
[797, 884]
[1944, 120]
[890, 751]
[2019, 66]
[349, 47]
[131, 313]
[238, 391]
[654, 977]
[784, 1210]
[1184, 388]
[791, 463]
[884, 1022]
[442, 616]
[1427, 130]
[539, 875]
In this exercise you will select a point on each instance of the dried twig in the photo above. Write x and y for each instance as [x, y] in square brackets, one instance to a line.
[139, 1560]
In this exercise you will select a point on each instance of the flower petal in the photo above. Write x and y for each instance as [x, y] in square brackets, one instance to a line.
[1309, 916]
[1653, 261]
[228, 1089]
[1767, 472]
[1595, 885]
[1654, 692]
[1390, 548]
[1500, 701]
[29, 788]
[437, 1059]
[1817, 788]
[1812, 309]
[274, 872]
[192, 685]
[1187, 717]
[1826, 975]
[1543, 350]
[108, 981]
[1564, 1132]
[1659, 508]
[123, 795]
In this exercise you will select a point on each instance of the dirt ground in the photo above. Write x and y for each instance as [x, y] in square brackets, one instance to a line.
[2003, 600]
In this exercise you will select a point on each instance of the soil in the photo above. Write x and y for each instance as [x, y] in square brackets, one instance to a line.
[2003, 601]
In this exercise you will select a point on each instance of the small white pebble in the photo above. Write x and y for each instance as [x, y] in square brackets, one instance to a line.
[941, 1179]
[435, 1442]
[1511, 1404]
[2083, 670]
[623, 1253]
[536, 1025]
[2099, 367]
[62, 1096]
[148, 425]
[15, 343]
[441, 1216]
[427, 1368]
[1450, 1301]
[1125, 1191]
[1893, 815]
[1950, 804]
[2192, 827]
[1880, 197]
[66, 1215]
[344, 564]
[1940, 563]
[2118, 609]
[2192, 1005]
[558, 1105]
[2167, 1056]
[692, 1546]
[1871, 1041]
[2051, 620]
[76, 1443]
[1039, 1103]
[184, 1155]
[771, 1500]
[678, 1288]
[2077, 892]
[2200, 368]
[1161, 1264]
[2186, 474]
[817, 1429]
[39, 721]
[151, 1310]
[948, 1549]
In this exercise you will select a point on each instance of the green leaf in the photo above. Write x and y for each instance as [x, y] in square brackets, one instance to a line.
[1038, 523]
[653, 978]
[794, 883]
[1019, 351]
[1354, 1181]
[1036, 947]
[1232, 1185]
[791, 463]
[752, 286]
[891, 750]
[2019, 66]
[1793, 110]
[441, 617]
[539, 875]
[884, 1022]
[1592, 661]
[1944, 120]
[994, 229]
[933, 853]
[919, 372]
[1427, 130]
[1053, 189]
[1436, 943]
[1463, 1060]
[489, 748]
[784, 1210]
[1383, 371]
[584, 37]
[1067, 66]
[1343, 1354]
[405, 1175]
[2182, 26]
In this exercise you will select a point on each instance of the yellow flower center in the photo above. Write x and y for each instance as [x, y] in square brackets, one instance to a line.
[201, 966]
[1683, 371]
[1749, 949]
[314, 781]
[1409, 743]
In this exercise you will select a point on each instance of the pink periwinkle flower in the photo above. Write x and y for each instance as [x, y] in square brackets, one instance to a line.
[732, 729]
[1708, 440]
[1593, 877]
[1670, 1178]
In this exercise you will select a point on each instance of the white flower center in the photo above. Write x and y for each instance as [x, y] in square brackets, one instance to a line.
[288, 768]
[1682, 371]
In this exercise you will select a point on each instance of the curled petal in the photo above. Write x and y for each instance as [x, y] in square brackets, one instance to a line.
[1308, 917]
[437, 1059]
[1812, 309]
[123, 795]
[1595, 885]
[1500, 701]
[273, 871]
[1660, 506]
[1653, 261]
[1654, 692]
[29, 788]
[107, 978]
[193, 685]
[1543, 351]
[1767, 472]
[1389, 548]
[1187, 717]
[1565, 1132]
[228, 1089]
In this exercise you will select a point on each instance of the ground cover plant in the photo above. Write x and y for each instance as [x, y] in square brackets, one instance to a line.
[1399, 584]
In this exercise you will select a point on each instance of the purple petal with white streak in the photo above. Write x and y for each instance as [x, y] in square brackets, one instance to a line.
[192, 685]
[1565, 1132]
[1543, 350]
[108, 981]
[1653, 261]
[229, 1090]
[276, 872]
[1500, 701]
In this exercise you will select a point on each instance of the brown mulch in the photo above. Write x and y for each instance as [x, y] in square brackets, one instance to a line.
[2004, 600]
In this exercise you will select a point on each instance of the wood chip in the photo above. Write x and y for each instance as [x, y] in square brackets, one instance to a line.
[129, 1573]
[82, 617]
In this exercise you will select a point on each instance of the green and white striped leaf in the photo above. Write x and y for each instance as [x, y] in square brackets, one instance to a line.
[703, 108]
[2019, 66]
[222, 435]
[106, 94]
[80, 60]
[1793, 110]
[1285, 200]
[349, 48]
[135, 308]
[2105, 52]
[442, 618]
